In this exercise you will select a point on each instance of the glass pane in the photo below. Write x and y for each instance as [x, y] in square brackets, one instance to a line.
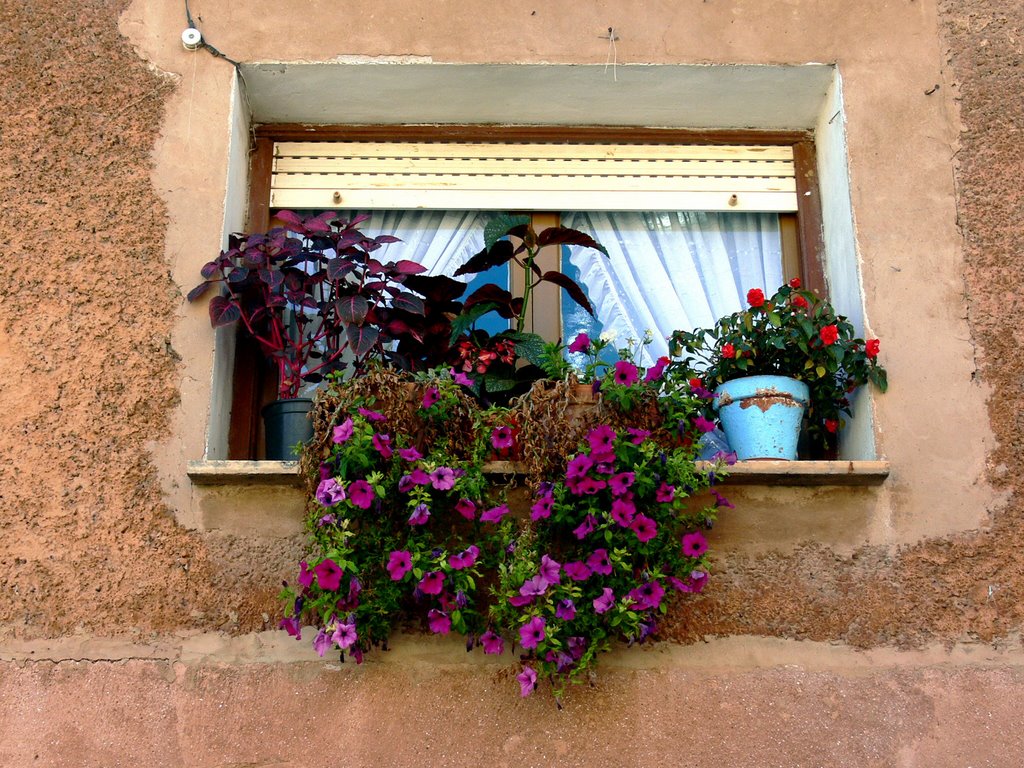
[667, 270]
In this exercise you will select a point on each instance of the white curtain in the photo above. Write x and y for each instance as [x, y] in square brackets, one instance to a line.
[670, 270]
[442, 241]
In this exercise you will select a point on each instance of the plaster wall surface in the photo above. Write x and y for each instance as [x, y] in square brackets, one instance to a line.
[115, 169]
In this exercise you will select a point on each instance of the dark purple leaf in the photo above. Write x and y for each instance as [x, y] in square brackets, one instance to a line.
[566, 236]
[571, 287]
[277, 300]
[271, 277]
[481, 262]
[406, 267]
[352, 309]
[409, 303]
[292, 221]
[223, 311]
[238, 275]
[374, 267]
[437, 289]
[398, 328]
[338, 268]
[198, 291]
[253, 258]
[386, 239]
[210, 269]
[320, 224]
[362, 338]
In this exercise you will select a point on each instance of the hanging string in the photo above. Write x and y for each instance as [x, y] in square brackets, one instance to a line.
[613, 56]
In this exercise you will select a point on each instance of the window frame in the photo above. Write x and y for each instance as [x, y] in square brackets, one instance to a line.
[252, 381]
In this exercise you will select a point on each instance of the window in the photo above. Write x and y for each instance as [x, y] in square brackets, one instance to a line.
[691, 221]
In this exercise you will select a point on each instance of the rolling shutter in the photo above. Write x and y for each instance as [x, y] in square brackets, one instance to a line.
[532, 176]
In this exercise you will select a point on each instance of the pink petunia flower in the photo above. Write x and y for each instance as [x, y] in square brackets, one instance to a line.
[369, 415]
[431, 396]
[464, 559]
[665, 493]
[361, 494]
[343, 432]
[604, 603]
[494, 514]
[644, 527]
[439, 622]
[542, 507]
[466, 508]
[399, 564]
[432, 583]
[577, 571]
[382, 443]
[580, 344]
[329, 492]
[625, 373]
[328, 575]
[492, 643]
[532, 632]
[410, 454]
[527, 681]
[420, 515]
[502, 438]
[443, 478]
[694, 544]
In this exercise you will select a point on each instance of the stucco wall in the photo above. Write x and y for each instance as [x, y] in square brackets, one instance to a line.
[114, 168]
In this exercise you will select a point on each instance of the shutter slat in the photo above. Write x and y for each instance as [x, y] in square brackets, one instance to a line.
[537, 176]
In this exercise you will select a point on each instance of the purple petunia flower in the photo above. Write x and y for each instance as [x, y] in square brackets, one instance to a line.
[623, 512]
[579, 466]
[566, 610]
[620, 482]
[466, 508]
[460, 378]
[520, 600]
[694, 584]
[577, 647]
[326, 520]
[290, 624]
[542, 507]
[419, 477]
[464, 559]
[328, 575]
[494, 514]
[585, 528]
[405, 484]
[601, 439]
[399, 564]
[637, 436]
[361, 494]
[443, 478]
[704, 425]
[604, 603]
[410, 454]
[550, 571]
[305, 575]
[439, 622]
[721, 501]
[577, 571]
[431, 396]
[647, 596]
[369, 415]
[665, 493]
[492, 643]
[625, 373]
[345, 635]
[432, 583]
[329, 492]
[655, 371]
[382, 443]
[502, 438]
[694, 544]
[580, 344]
[644, 527]
[729, 457]
[321, 643]
[532, 632]
[420, 515]
[533, 586]
[599, 563]
[527, 681]
[343, 432]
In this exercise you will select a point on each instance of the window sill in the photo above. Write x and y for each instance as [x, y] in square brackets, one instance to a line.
[783, 473]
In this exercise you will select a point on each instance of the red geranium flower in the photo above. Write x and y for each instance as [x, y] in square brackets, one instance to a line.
[755, 297]
[829, 334]
[831, 425]
[728, 350]
[798, 301]
[794, 283]
[871, 348]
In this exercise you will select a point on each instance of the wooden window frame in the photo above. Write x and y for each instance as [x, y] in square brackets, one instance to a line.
[253, 384]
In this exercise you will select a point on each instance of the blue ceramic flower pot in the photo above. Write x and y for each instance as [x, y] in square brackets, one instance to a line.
[761, 415]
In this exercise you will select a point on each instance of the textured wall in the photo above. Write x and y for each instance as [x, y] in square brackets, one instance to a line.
[89, 377]
[86, 312]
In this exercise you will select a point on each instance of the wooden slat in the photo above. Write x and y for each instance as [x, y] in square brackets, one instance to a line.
[567, 151]
[563, 200]
[608, 184]
[532, 167]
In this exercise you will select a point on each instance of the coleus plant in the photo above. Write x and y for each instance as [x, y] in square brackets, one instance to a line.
[316, 300]
[492, 360]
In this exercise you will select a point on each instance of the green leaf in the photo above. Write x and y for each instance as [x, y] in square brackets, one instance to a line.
[774, 319]
[500, 225]
[820, 370]
[529, 346]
